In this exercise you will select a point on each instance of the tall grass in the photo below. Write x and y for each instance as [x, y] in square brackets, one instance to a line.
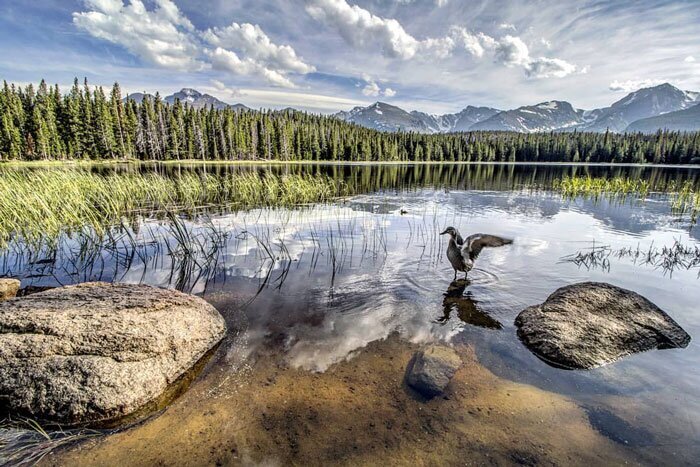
[37, 206]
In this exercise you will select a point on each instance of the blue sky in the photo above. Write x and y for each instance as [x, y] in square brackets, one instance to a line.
[327, 55]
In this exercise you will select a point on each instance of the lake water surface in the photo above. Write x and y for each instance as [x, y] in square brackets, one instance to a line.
[325, 304]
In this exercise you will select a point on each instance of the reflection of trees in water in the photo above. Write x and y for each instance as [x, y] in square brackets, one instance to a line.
[372, 178]
[465, 306]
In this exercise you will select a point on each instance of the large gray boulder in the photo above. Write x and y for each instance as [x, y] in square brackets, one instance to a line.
[590, 324]
[97, 352]
[8, 288]
[431, 369]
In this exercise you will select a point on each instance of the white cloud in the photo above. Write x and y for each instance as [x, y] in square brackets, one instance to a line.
[223, 88]
[252, 41]
[689, 59]
[166, 38]
[373, 89]
[512, 51]
[162, 36]
[634, 84]
[361, 28]
[227, 60]
[543, 67]
[508, 26]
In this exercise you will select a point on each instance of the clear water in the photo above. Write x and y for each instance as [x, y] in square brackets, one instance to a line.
[316, 285]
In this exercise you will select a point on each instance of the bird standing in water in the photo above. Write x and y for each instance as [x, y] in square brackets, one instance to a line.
[463, 253]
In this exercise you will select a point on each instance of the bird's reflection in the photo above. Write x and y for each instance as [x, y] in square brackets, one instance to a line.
[466, 307]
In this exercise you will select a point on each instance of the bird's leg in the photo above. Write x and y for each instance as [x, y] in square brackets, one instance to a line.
[455, 276]
[466, 274]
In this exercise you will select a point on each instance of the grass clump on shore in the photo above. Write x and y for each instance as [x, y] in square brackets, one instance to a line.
[39, 205]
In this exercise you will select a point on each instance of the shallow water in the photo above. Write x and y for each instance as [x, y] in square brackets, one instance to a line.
[325, 296]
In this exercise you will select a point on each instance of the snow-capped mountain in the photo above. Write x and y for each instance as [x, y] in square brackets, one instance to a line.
[680, 120]
[191, 97]
[641, 104]
[546, 116]
[385, 117]
[196, 99]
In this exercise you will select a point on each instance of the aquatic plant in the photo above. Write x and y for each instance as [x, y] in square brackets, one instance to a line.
[667, 258]
[684, 197]
[38, 205]
[594, 187]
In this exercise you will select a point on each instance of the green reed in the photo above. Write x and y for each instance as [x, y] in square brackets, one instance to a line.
[684, 197]
[39, 205]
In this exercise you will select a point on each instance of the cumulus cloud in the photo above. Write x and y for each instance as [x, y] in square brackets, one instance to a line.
[543, 67]
[361, 28]
[512, 51]
[373, 89]
[227, 60]
[508, 26]
[162, 36]
[165, 37]
[634, 84]
[689, 59]
[252, 41]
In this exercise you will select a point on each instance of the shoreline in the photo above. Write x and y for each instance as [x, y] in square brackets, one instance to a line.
[261, 162]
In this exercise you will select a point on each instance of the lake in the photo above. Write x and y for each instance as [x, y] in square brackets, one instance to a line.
[326, 302]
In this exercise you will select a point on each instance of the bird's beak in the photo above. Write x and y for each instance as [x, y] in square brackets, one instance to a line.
[443, 233]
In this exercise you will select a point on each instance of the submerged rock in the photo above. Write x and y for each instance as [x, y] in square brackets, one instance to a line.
[98, 352]
[586, 325]
[8, 288]
[431, 369]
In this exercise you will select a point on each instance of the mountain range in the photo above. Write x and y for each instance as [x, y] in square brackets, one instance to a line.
[646, 110]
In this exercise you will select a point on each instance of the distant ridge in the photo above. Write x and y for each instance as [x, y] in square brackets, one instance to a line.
[680, 120]
[637, 111]
[191, 97]
[546, 116]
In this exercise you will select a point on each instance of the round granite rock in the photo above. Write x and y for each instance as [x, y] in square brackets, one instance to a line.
[431, 369]
[587, 325]
[98, 352]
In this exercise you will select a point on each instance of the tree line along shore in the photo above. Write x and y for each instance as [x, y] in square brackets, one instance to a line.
[88, 124]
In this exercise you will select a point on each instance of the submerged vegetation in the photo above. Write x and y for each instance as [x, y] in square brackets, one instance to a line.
[42, 124]
[37, 206]
[25, 442]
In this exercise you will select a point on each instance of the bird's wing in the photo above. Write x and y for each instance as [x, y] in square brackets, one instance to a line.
[475, 243]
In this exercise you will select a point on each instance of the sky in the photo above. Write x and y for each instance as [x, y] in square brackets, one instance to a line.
[436, 56]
